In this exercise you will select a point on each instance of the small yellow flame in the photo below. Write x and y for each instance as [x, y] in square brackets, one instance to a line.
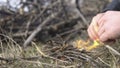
[85, 45]
[82, 45]
[95, 44]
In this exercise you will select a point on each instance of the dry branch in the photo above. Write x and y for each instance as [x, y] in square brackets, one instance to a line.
[38, 29]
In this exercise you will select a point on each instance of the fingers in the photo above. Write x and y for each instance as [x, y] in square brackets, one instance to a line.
[89, 33]
[93, 28]
[98, 18]
[104, 37]
[92, 31]
[101, 31]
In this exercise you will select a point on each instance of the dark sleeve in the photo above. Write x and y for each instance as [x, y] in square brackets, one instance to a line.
[114, 5]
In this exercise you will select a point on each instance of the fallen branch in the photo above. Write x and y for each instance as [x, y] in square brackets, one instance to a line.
[38, 29]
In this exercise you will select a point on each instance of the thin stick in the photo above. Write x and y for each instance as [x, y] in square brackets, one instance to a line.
[113, 50]
[38, 29]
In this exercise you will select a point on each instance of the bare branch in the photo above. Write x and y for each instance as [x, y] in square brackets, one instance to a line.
[38, 29]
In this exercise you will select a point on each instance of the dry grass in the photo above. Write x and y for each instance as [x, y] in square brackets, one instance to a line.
[57, 55]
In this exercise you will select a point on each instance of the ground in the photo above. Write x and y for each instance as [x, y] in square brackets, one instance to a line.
[59, 52]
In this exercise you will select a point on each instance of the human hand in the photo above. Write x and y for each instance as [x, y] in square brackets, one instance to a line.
[108, 24]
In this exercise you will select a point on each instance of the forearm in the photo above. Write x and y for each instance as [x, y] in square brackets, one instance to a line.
[114, 5]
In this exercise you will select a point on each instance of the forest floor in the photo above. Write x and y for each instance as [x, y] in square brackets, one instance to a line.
[58, 53]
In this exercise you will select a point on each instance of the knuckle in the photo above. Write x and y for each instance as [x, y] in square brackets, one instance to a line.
[109, 12]
[99, 14]
[94, 18]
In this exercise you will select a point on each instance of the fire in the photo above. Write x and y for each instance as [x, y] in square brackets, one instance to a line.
[94, 45]
[85, 45]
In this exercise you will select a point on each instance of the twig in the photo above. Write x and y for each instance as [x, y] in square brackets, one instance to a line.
[9, 39]
[48, 64]
[28, 25]
[81, 15]
[4, 59]
[113, 50]
[103, 61]
[38, 29]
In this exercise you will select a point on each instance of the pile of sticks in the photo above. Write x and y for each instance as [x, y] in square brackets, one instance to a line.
[42, 20]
